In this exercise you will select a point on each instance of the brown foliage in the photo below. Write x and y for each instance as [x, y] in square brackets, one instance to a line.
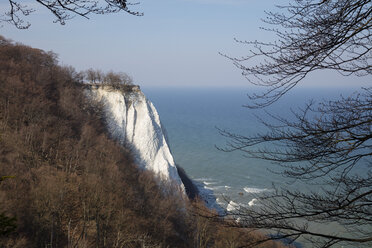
[211, 230]
[73, 186]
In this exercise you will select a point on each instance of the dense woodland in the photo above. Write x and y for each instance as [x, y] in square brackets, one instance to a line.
[65, 183]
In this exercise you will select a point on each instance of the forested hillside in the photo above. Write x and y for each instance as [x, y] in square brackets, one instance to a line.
[66, 184]
[72, 186]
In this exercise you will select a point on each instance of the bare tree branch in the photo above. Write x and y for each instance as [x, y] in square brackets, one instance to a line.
[312, 36]
[328, 145]
[64, 10]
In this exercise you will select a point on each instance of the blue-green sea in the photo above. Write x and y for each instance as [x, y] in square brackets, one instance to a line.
[192, 117]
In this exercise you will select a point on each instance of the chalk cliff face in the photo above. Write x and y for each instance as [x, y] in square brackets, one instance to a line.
[133, 120]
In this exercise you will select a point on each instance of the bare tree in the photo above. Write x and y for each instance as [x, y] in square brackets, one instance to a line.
[117, 79]
[94, 76]
[312, 36]
[7, 224]
[64, 10]
[326, 145]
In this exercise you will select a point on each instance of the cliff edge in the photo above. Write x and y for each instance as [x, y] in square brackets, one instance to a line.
[133, 120]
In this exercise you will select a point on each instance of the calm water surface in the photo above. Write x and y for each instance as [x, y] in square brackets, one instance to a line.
[191, 117]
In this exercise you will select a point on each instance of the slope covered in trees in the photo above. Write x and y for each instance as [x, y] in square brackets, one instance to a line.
[66, 184]
[73, 186]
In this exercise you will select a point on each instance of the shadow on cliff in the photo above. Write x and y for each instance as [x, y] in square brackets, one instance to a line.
[197, 190]
[191, 189]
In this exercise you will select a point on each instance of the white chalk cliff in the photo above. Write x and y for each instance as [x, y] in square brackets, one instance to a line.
[133, 120]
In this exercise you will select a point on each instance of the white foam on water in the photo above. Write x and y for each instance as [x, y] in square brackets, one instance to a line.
[204, 179]
[252, 202]
[254, 190]
[210, 188]
[209, 183]
[220, 201]
[232, 206]
[214, 187]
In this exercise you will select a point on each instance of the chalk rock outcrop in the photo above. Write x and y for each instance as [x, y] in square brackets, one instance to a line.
[133, 120]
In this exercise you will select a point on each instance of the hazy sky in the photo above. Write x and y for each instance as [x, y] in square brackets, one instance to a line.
[176, 42]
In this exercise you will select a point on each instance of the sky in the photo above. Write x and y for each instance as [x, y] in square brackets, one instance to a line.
[176, 42]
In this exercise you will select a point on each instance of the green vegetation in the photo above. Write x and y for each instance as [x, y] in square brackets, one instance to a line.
[72, 185]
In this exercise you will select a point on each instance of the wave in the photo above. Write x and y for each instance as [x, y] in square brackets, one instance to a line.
[220, 201]
[214, 187]
[204, 179]
[252, 202]
[254, 190]
[232, 206]
[209, 183]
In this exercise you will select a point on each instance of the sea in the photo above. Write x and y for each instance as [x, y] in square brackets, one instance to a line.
[193, 119]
